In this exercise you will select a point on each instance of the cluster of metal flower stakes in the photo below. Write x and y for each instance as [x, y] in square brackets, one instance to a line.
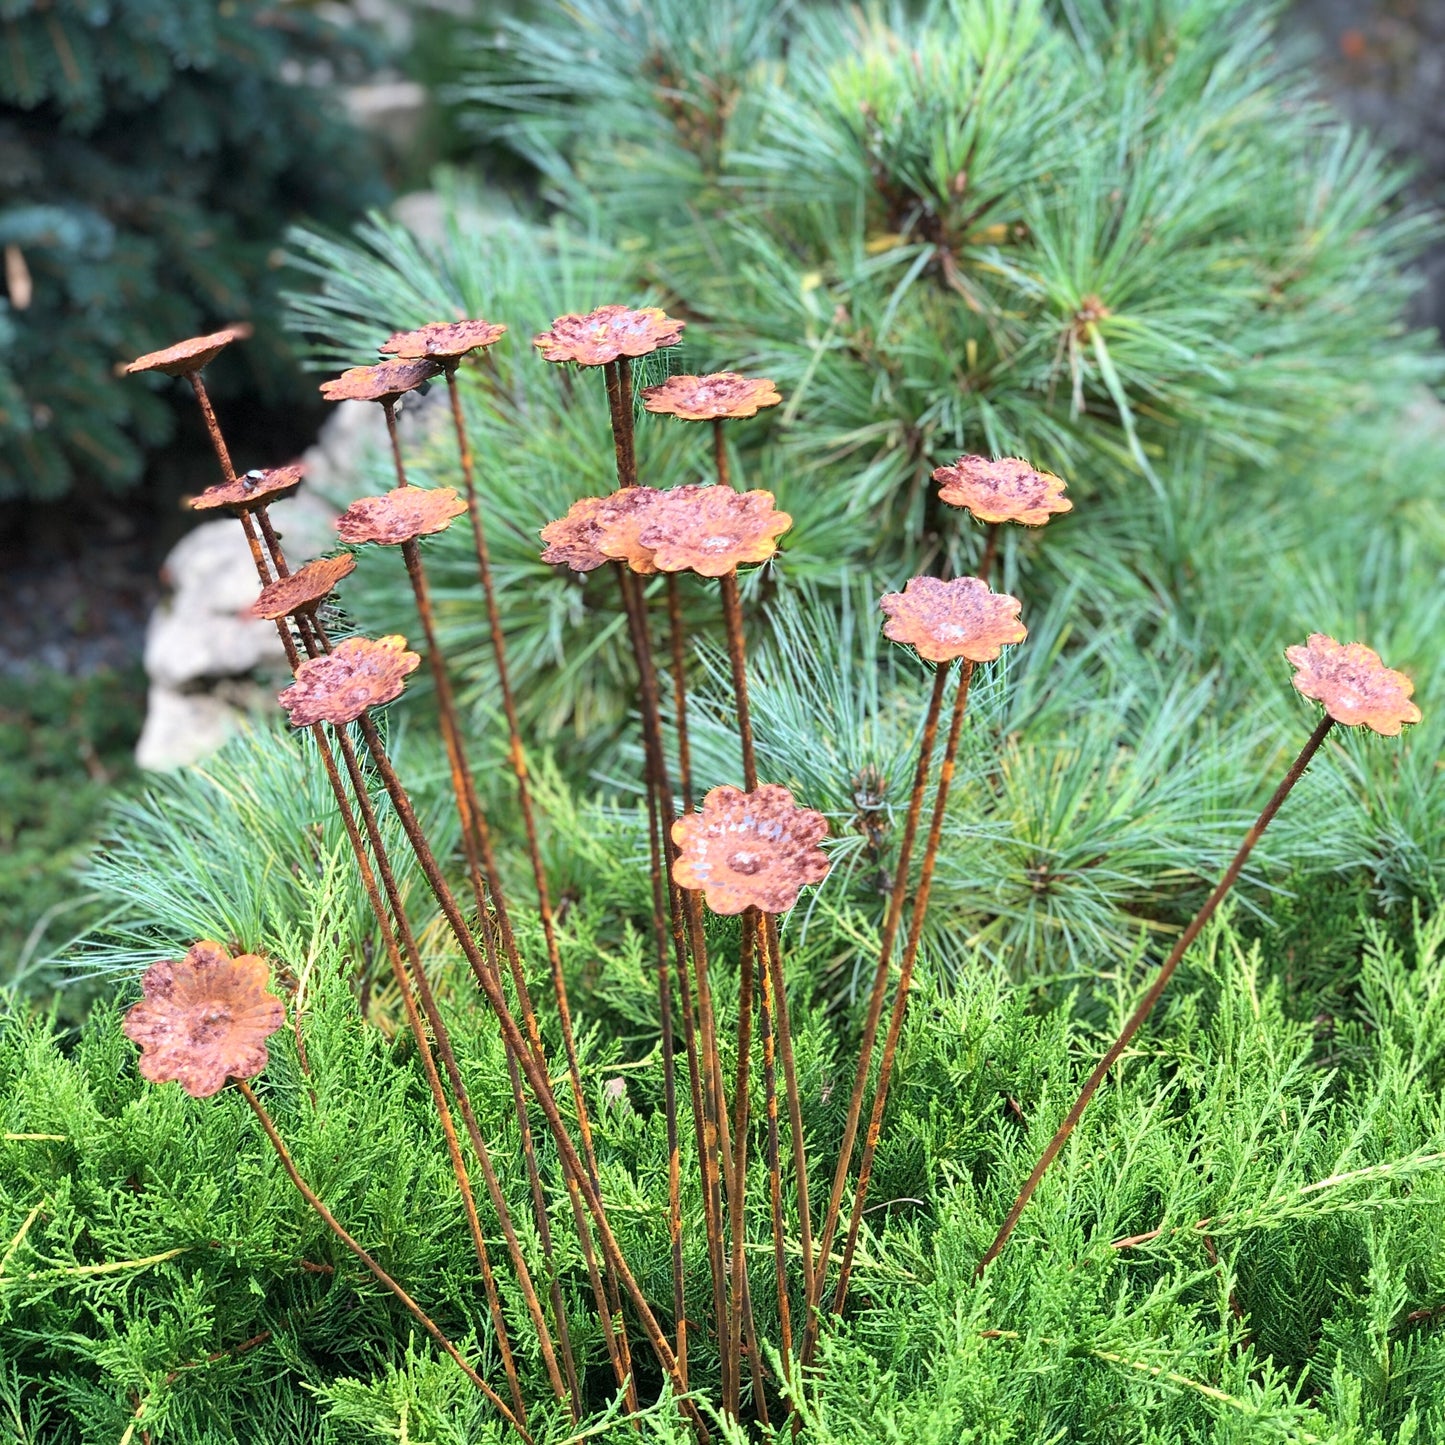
[745, 851]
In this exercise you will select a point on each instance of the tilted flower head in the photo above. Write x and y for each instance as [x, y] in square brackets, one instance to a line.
[402, 515]
[703, 398]
[607, 333]
[385, 381]
[1355, 687]
[191, 355]
[443, 340]
[1006, 490]
[252, 489]
[750, 850]
[944, 620]
[339, 686]
[302, 590]
[204, 1018]
[712, 530]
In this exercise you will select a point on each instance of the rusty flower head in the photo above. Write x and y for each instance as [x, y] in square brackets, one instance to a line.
[572, 540]
[188, 356]
[944, 620]
[384, 382]
[339, 686]
[712, 530]
[1006, 490]
[402, 515]
[444, 341]
[605, 529]
[704, 398]
[252, 489]
[607, 333]
[750, 850]
[1355, 687]
[204, 1019]
[304, 589]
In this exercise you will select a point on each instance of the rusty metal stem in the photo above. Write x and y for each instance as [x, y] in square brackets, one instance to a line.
[737, 1201]
[905, 978]
[332, 1223]
[388, 407]
[990, 551]
[733, 618]
[677, 639]
[720, 453]
[618, 376]
[775, 1173]
[213, 427]
[1161, 980]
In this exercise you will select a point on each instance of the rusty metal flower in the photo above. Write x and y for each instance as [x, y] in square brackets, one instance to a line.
[252, 489]
[339, 686]
[402, 515]
[944, 620]
[302, 590]
[204, 1018]
[712, 530]
[443, 341]
[605, 529]
[190, 355]
[1006, 490]
[384, 382]
[607, 333]
[1354, 685]
[572, 540]
[705, 398]
[750, 850]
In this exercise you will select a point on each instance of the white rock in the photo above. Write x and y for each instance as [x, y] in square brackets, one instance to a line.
[182, 728]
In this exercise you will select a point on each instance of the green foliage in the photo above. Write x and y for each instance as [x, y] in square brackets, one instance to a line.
[151, 153]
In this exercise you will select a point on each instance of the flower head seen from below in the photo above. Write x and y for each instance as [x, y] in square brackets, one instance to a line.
[1355, 686]
[443, 340]
[384, 382]
[947, 620]
[190, 355]
[1006, 490]
[204, 1019]
[402, 515]
[708, 398]
[251, 489]
[750, 850]
[712, 530]
[339, 686]
[607, 333]
[303, 589]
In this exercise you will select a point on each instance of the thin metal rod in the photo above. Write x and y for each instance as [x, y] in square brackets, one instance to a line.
[213, 427]
[990, 550]
[1152, 995]
[737, 1201]
[720, 453]
[775, 1175]
[677, 640]
[733, 618]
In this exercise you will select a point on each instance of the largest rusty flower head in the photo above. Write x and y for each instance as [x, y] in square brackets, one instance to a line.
[204, 1019]
[382, 382]
[444, 341]
[339, 686]
[190, 355]
[945, 620]
[712, 530]
[708, 398]
[402, 515]
[1354, 685]
[1006, 490]
[607, 333]
[750, 850]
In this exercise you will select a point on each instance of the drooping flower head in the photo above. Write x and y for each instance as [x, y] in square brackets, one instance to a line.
[1006, 490]
[305, 589]
[339, 686]
[384, 382]
[252, 489]
[711, 530]
[402, 515]
[190, 355]
[1354, 685]
[750, 850]
[204, 1019]
[704, 398]
[961, 618]
[607, 333]
[444, 341]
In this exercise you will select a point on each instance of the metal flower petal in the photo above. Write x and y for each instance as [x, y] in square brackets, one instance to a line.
[607, 333]
[1355, 686]
[385, 381]
[402, 515]
[712, 530]
[204, 1019]
[303, 590]
[750, 850]
[251, 489]
[339, 686]
[189, 355]
[945, 620]
[443, 340]
[1002, 490]
[705, 398]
